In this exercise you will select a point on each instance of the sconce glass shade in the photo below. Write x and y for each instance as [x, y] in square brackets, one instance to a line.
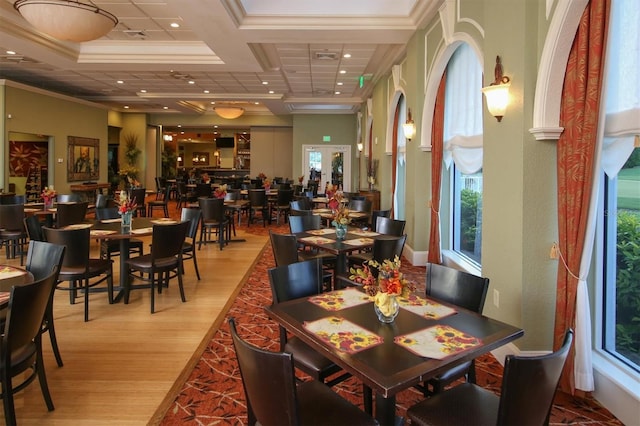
[360, 146]
[67, 19]
[179, 159]
[497, 99]
[409, 130]
[229, 113]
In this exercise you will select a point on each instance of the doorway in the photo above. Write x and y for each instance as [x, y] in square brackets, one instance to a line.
[328, 163]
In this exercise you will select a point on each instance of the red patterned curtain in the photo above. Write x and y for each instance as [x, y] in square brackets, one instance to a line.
[576, 156]
[437, 136]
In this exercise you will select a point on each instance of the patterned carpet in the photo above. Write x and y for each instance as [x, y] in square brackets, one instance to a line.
[213, 392]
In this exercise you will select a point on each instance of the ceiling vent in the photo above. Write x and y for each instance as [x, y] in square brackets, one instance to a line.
[139, 34]
[326, 56]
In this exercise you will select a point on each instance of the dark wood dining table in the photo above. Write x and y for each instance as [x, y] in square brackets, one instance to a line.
[388, 363]
[325, 239]
[111, 229]
[10, 276]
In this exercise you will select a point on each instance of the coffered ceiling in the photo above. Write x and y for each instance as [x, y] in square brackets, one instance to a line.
[268, 56]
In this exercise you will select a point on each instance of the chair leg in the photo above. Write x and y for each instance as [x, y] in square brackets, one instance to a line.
[153, 295]
[86, 300]
[42, 377]
[52, 336]
[195, 262]
[180, 286]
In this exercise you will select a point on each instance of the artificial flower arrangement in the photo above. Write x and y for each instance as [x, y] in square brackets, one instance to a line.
[48, 194]
[389, 283]
[300, 179]
[341, 216]
[133, 182]
[220, 192]
[125, 204]
[266, 184]
[262, 176]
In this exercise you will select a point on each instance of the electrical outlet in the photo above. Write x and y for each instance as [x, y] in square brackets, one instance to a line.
[496, 298]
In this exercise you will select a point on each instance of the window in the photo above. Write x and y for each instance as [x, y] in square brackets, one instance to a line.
[619, 304]
[399, 194]
[462, 153]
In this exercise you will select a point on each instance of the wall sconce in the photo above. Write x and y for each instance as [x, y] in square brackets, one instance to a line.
[409, 128]
[497, 93]
[360, 146]
[179, 159]
[195, 159]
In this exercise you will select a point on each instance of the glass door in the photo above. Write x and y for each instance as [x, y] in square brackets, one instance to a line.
[327, 163]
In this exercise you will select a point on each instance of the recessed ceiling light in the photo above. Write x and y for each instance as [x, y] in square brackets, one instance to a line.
[256, 103]
[120, 82]
[175, 25]
[213, 102]
[182, 132]
[192, 82]
[340, 83]
[143, 90]
[179, 125]
[10, 52]
[271, 92]
[215, 126]
[265, 82]
[126, 107]
[205, 91]
[336, 92]
[343, 72]
[346, 55]
[165, 107]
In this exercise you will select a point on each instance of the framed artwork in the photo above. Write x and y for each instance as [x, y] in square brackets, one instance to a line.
[84, 161]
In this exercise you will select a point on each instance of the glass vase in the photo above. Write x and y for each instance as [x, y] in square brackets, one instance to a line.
[48, 204]
[126, 222]
[386, 307]
[341, 232]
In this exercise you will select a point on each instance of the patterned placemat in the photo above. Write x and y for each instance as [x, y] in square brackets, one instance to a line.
[10, 272]
[437, 342]
[340, 299]
[425, 307]
[343, 335]
[359, 241]
[100, 232]
[111, 220]
[316, 240]
[324, 231]
[364, 233]
[78, 226]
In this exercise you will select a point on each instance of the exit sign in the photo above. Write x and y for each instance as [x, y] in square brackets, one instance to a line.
[326, 139]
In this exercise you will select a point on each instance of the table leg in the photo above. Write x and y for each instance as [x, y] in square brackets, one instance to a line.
[124, 272]
[386, 411]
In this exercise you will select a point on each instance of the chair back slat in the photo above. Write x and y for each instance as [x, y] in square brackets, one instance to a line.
[458, 287]
[300, 279]
[167, 240]
[76, 242]
[285, 248]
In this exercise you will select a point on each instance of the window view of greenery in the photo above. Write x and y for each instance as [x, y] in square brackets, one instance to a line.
[627, 248]
[468, 205]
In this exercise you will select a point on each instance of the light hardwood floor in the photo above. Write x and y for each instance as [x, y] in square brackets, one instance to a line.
[119, 366]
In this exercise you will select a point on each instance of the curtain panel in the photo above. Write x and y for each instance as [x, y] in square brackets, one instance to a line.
[437, 129]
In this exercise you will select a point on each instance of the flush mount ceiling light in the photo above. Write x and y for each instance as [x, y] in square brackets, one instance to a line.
[67, 19]
[228, 112]
[497, 93]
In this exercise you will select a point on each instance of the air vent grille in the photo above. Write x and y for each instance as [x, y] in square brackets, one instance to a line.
[326, 56]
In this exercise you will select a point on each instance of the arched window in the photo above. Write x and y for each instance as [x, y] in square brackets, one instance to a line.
[399, 158]
[462, 154]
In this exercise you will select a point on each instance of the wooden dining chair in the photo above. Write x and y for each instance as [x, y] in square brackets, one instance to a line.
[213, 219]
[258, 204]
[189, 247]
[281, 205]
[528, 387]
[461, 289]
[162, 203]
[78, 268]
[43, 258]
[70, 213]
[384, 247]
[275, 397]
[375, 214]
[139, 196]
[21, 345]
[12, 230]
[164, 262]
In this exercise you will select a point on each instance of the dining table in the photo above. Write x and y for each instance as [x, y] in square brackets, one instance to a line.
[325, 239]
[427, 338]
[111, 229]
[9, 277]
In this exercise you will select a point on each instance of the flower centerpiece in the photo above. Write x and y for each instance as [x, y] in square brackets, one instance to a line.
[48, 194]
[339, 211]
[300, 179]
[266, 184]
[262, 176]
[389, 284]
[220, 192]
[126, 207]
[133, 182]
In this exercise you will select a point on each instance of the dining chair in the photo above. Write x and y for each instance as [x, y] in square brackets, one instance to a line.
[110, 248]
[304, 202]
[33, 227]
[213, 219]
[162, 264]
[375, 214]
[296, 212]
[161, 203]
[139, 195]
[78, 268]
[274, 396]
[43, 258]
[281, 205]
[21, 344]
[203, 190]
[526, 396]
[233, 210]
[184, 195]
[12, 230]
[101, 201]
[387, 226]
[258, 204]
[70, 213]
[384, 247]
[189, 247]
[461, 289]
[361, 205]
[161, 186]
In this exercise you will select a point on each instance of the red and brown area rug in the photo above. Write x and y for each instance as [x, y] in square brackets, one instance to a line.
[213, 393]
